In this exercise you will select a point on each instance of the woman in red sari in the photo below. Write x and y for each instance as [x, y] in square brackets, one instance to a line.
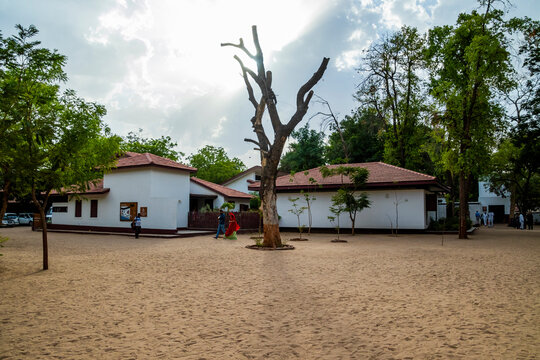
[233, 227]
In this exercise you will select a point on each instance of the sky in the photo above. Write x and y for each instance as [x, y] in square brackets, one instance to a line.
[157, 65]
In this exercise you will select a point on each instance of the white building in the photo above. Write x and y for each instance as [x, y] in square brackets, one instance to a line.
[487, 202]
[399, 198]
[157, 188]
[242, 181]
[204, 193]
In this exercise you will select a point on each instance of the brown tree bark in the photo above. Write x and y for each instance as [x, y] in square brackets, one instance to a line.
[271, 152]
[5, 197]
[41, 208]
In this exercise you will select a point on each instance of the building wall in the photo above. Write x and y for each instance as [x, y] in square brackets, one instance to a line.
[380, 215]
[197, 189]
[241, 183]
[164, 192]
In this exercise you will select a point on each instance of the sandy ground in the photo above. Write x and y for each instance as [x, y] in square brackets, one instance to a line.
[375, 297]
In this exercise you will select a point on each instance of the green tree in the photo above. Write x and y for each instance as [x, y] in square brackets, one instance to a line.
[468, 63]
[362, 133]
[29, 78]
[61, 140]
[515, 167]
[164, 146]
[306, 153]
[391, 88]
[214, 165]
[514, 170]
[347, 196]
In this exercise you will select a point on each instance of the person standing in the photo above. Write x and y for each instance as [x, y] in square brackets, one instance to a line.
[137, 222]
[221, 223]
[521, 222]
[477, 218]
[530, 220]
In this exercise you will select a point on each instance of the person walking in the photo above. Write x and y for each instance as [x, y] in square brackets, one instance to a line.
[233, 228]
[137, 223]
[530, 220]
[477, 214]
[221, 223]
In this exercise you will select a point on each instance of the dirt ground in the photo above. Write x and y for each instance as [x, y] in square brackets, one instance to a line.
[374, 297]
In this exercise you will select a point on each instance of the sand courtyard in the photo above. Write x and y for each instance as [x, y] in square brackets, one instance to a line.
[375, 297]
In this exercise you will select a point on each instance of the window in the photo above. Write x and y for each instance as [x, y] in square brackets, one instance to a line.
[257, 177]
[59, 209]
[93, 208]
[78, 208]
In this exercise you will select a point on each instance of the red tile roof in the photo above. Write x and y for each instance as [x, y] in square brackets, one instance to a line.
[222, 190]
[380, 175]
[131, 159]
[96, 188]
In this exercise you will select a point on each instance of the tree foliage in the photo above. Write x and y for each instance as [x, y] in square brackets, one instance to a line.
[468, 63]
[214, 165]
[363, 133]
[164, 146]
[306, 153]
[59, 141]
[350, 197]
[392, 90]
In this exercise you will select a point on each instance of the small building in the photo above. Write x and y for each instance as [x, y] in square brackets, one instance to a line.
[399, 198]
[158, 188]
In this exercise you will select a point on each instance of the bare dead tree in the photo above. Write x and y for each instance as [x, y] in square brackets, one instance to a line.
[271, 152]
[329, 119]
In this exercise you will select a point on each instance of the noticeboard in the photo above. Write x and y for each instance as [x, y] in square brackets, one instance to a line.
[128, 211]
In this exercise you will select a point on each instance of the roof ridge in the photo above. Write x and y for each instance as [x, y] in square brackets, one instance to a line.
[149, 158]
[408, 170]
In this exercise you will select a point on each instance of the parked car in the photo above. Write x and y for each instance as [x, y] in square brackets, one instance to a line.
[26, 218]
[10, 219]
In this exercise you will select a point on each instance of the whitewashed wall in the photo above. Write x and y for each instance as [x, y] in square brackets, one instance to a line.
[241, 183]
[197, 189]
[411, 210]
[164, 192]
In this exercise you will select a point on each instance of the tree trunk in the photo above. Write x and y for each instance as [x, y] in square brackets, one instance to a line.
[5, 198]
[41, 208]
[463, 204]
[272, 237]
[44, 238]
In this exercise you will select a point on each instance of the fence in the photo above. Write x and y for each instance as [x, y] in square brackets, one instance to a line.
[248, 220]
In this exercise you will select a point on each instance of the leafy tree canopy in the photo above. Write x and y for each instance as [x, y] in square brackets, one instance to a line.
[362, 132]
[214, 165]
[164, 146]
[306, 153]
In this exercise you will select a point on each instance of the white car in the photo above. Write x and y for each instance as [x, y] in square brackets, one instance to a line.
[26, 218]
[10, 219]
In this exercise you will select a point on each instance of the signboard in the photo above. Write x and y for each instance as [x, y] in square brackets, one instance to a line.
[128, 211]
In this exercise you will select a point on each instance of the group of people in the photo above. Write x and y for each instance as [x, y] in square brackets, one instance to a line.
[521, 222]
[485, 218]
[229, 234]
[231, 230]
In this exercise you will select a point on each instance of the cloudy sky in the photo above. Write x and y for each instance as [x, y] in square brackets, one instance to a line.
[158, 64]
